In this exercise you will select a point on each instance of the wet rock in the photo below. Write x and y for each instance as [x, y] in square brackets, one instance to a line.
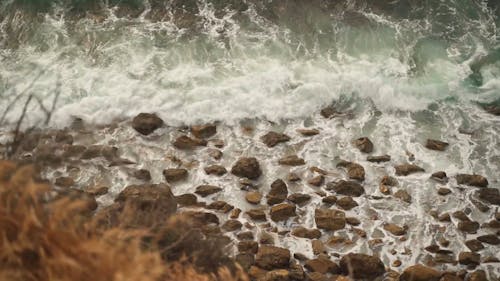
[469, 258]
[330, 199]
[253, 197]
[403, 195]
[478, 275]
[308, 132]
[444, 217]
[347, 188]
[220, 206]
[97, 190]
[246, 260]
[489, 239]
[65, 182]
[443, 191]
[436, 145]
[440, 177]
[346, 203]
[270, 257]
[296, 272]
[293, 177]
[461, 216]
[353, 221]
[257, 214]
[468, 226]
[450, 277]
[277, 275]
[186, 143]
[206, 190]
[142, 174]
[232, 225]
[317, 181]
[217, 170]
[474, 245]
[247, 167]
[361, 266]
[187, 199]
[215, 153]
[235, 213]
[490, 195]
[318, 247]
[278, 192]
[395, 229]
[329, 219]
[322, 265]
[292, 160]
[282, 212]
[420, 273]
[175, 175]
[146, 123]
[256, 273]
[379, 159]
[364, 144]
[201, 218]
[73, 151]
[64, 137]
[389, 181]
[354, 170]
[299, 198]
[432, 248]
[271, 139]
[472, 180]
[329, 112]
[204, 131]
[303, 232]
[407, 169]
[479, 205]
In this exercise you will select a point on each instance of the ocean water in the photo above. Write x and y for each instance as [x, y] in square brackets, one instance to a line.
[402, 72]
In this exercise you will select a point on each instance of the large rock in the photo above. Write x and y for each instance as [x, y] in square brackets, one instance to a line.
[278, 192]
[329, 219]
[247, 168]
[270, 257]
[361, 266]
[407, 169]
[175, 175]
[436, 145]
[420, 273]
[490, 195]
[364, 145]
[282, 212]
[146, 123]
[203, 131]
[348, 188]
[271, 139]
[472, 180]
[185, 143]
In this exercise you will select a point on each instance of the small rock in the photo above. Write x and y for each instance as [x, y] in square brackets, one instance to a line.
[329, 219]
[347, 188]
[308, 132]
[146, 123]
[278, 192]
[330, 199]
[303, 232]
[389, 181]
[436, 145]
[187, 199]
[364, 144]
[440, 177]
[478, 275]
[185, 143]
[444, 217]
[282, 212]
[379, 159]
[490, 195]
[317, 181]
[299, 198]
[403, 195]
[353, 221]
[248, 246]
[395, 229]
[407, 169]
[468, 226]
[257, 214]
[329, 112]
[469, 258]
[247, 167]
[346, 203]
[293, 177]
[474, 245]
[489, 239]
[270, 257]
[277, 275]
[220, 206]
[461, 216]
[420, 273]
[232, 225]
[97, 190]
[142, 174]
[472, 180]
[361, 266]
[206, 190]
[354, 170]
[318, 247]
[235, 213]
[204, 131]
[217, 170]
[443, 191]
[253, 197]
[175, 175]
[292, 160]
[271, 139]
[65, 182]
[322, 265]
[215, 153]
[246, 260]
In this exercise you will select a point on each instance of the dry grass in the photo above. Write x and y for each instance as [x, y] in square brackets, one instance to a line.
[48, 237]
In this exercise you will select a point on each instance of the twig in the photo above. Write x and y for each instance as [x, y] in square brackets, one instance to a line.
[16, 141]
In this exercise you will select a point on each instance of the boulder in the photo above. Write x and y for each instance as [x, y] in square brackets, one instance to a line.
[282, 212]
[247, 168]
[217, 170]
[206, 190]
[407, 169]
[436, 145]
[186, 143]
[204, 131]
[278, 192]
[379, 159]
[360, 266]
[291, 160]
[420, 273]
[146, 123]
[347, 188]
[270, 257]
[175, 175]
[329, 219]
[364, 144]
[472, 180]
[271, 139]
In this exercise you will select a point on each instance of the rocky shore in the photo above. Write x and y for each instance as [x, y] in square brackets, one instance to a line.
[281, 216]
